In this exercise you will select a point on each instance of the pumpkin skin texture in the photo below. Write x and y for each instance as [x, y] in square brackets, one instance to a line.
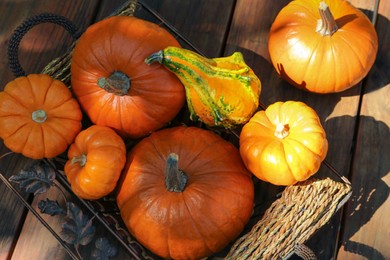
[96, 159]
[191, 222]
[113, 84]
[39, 118]
[284, 144]
[222, 91]
[335, 58]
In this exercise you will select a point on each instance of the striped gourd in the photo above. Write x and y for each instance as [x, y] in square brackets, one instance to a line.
[220, 91]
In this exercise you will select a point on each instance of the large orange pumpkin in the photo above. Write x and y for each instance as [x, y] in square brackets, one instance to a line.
[185, 193]
[39, 118]
[322, 46]
[96, 159]
[284, 144]
[114, 85]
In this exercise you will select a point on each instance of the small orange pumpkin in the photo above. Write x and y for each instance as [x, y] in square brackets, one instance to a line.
[185, 193]
[284, 144]
[96, 160]
[322, 47]
[39, 118]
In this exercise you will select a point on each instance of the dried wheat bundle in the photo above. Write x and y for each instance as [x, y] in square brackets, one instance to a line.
[288, 223]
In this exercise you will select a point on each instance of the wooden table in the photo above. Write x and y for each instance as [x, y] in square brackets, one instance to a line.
[356, 121]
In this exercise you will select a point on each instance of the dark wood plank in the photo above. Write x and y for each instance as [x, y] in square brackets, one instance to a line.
[204, 23]
[366, 223]
[39, 46]
[12, 211]
[249, 34]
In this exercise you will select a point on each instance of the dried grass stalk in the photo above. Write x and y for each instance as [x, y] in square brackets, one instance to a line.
[291, 220]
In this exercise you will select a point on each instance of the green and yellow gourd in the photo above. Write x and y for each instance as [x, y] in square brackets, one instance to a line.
[220, 91]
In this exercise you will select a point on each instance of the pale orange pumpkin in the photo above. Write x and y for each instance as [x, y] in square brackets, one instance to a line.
[322, 46]
[284, 144]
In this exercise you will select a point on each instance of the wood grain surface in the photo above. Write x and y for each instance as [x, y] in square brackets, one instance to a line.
[356, 121]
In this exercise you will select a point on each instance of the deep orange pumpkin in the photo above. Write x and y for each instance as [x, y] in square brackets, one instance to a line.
[114, 85]
[39, 118]
[96, 159]
[322, 47]
[203, 204]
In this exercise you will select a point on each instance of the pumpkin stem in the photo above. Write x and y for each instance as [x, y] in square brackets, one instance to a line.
[175, 179]
[327, 25]
[282, 130]
[157, 56]
[39, 116]
[81, 159]
[117, 83]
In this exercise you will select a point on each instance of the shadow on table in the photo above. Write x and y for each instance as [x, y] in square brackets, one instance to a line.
[369, 190]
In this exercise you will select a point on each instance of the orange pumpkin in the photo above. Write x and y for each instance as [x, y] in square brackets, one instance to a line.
[322, 47]
[113, 84]
[185, 193]
[39, 118]
[96, 160]
[284, 144]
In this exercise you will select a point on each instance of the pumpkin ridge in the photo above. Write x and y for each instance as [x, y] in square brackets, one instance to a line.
[152, 140]
[231, 218]
[302, 159]
[150, 115]
[311, 132]
[199, 152]
[355, 52]
[53, 130]
[99, 114]
[32, 91]
[197, 227]
[195, 224]
[43, 147]
[48, 110]
[99, 62]
[287, 162]
[309, 60]
[25, 124]
[352, 30]
[224, 208]
[335, 67]
[43, 128]
[17, 101]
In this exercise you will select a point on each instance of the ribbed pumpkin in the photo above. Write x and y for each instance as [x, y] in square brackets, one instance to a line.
[39, 118]
[113, 84]
[220, 92]
[284, 144]
[185, 193]
[96, 159]
[322, 46]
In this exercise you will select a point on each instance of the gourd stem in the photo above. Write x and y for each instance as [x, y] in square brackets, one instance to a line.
[282, 130]
[157, 56]
[117, 83]
[81, 159]
[39, 116]
[175, 179]
[327, 25]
